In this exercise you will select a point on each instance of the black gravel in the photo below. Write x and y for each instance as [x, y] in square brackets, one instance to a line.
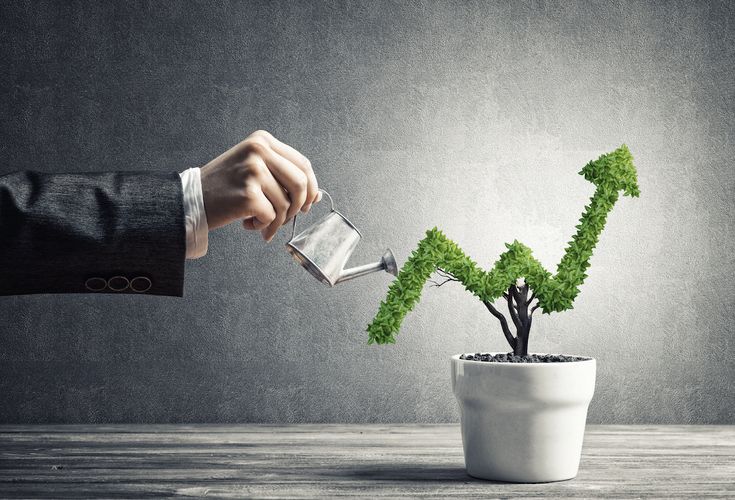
[531, 358]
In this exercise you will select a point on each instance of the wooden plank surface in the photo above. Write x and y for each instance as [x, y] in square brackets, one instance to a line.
[318, 461]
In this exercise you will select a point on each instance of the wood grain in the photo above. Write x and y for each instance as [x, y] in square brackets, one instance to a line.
[317, 461]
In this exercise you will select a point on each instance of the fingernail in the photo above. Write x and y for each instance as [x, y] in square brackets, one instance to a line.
[306, 208]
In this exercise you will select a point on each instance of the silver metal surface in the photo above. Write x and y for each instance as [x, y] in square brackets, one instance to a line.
[387, 263]
[324, 248]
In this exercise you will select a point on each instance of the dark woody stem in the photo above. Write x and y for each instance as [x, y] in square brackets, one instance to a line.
[518, 301]
[503, 323]
[517, 298]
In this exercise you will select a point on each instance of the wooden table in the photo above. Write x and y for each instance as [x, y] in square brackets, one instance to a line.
[317, 461]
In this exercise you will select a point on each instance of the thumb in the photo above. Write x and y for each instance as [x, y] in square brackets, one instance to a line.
[253, 224]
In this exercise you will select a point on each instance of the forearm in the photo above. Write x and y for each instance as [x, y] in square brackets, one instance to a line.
[57, 231]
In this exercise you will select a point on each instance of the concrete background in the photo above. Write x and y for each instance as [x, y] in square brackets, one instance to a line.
[472, 116]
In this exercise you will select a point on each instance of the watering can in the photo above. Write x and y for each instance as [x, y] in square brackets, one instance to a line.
[324, 249]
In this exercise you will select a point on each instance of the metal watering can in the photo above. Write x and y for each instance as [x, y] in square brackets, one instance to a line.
[324, 249]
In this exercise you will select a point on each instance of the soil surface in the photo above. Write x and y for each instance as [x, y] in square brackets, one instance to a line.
[531, 358]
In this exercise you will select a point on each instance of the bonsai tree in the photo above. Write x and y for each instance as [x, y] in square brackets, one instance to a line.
[517, 277]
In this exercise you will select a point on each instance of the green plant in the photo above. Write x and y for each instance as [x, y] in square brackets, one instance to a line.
[516, 273]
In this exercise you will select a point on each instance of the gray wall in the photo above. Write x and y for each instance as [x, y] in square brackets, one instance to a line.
[475, 117]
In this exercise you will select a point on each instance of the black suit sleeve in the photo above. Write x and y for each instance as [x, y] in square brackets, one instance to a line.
[118, 232]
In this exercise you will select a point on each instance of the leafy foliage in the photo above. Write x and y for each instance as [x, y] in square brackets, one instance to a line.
[611, 173]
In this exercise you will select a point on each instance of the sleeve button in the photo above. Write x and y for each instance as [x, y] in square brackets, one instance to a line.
[95, 284]
[140, 284]
[118, 283]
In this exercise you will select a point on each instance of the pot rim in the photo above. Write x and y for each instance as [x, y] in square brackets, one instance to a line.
[586, 360]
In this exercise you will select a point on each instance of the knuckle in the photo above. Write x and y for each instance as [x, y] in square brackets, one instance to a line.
[300, 182]
[262, 137]
[256, 144]
[264, 134]
[282, 206]
[256, 168]
[250, 192]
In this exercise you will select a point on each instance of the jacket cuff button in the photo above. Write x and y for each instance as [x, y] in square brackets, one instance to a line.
[140, 284]
[95, 284]
[118, 283]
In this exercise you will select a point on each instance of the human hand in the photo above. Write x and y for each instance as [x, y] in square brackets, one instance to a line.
[261, 181]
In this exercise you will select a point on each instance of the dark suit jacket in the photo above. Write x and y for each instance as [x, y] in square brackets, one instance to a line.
[120, 232]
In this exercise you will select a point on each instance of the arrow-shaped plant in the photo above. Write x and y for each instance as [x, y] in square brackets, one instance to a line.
[517, 276]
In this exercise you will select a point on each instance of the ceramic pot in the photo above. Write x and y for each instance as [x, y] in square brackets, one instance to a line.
[523, 422]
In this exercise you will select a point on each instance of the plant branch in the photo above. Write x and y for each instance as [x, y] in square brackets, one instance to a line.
[511, 309]
[437, 284]
[448, 277]
[441, 272]
[535, 307]
[519, 295]
[503, 323]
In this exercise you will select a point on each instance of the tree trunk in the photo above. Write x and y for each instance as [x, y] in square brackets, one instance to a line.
[521, 347]
[518, 302]
[521, 298]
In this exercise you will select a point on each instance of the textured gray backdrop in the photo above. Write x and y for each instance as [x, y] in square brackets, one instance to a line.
[472, 116]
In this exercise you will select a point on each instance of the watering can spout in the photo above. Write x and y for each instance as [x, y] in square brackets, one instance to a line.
[387, 263]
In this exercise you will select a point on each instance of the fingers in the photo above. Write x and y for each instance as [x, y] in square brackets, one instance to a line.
[252, 223]
[267, 202]
[280, 177]
[261, 213]
[303, 163]
[290, 177]
[300, 161]
[279, 202]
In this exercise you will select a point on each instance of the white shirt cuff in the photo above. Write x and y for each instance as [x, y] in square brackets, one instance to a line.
[195, 217]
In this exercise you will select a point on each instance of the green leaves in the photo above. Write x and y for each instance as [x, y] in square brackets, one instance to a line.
[611, 173]
[614, 172]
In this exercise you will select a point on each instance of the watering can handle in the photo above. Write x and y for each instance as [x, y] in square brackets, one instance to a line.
[293, 226]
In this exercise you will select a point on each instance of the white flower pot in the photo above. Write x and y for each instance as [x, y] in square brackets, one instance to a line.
[523, 422]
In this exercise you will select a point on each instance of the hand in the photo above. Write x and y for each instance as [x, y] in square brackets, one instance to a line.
[262, 181]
